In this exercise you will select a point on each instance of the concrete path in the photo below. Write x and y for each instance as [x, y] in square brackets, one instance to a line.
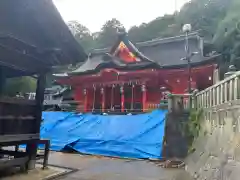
[102, 168]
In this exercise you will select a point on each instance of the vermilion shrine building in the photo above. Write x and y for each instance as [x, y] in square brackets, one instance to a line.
[135, 77]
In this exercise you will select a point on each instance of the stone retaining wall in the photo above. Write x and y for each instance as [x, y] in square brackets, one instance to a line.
[217, 154]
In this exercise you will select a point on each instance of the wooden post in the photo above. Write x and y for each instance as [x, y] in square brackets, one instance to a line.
[32, 146]
[122, 99]
[144, 97]
[103, 99]
[85, 100]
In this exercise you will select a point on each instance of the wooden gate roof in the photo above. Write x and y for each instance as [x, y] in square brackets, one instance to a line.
[33, 36]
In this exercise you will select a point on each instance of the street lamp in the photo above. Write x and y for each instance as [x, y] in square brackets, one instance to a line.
[186, 29]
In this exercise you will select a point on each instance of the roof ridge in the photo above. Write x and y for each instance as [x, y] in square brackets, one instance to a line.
[167, 39]
[154, 41]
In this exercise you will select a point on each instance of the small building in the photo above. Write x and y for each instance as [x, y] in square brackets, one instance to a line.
[54, 97]
[136, 77]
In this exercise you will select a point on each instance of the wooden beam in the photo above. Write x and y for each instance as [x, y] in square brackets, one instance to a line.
[20, 61]
[39, 99]
[32, 147]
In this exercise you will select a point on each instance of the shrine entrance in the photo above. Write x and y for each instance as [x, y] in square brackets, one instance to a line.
[133, 98]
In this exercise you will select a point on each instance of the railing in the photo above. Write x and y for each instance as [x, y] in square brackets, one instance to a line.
[222, 92]
[77, 106]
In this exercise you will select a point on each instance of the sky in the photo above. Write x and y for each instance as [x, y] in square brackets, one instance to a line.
[94, 13]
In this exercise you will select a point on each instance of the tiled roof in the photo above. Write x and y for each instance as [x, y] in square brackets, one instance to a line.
[162, 53]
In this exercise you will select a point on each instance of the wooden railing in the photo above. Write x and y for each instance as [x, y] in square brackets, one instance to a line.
[222, 92]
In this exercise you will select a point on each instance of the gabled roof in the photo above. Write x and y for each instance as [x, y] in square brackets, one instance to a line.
[123, 55]
[157, 53]
[124, 43]
[167, 52]
[33, 36]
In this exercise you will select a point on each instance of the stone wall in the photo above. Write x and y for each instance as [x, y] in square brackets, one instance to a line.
[175, 143]
[217, 149]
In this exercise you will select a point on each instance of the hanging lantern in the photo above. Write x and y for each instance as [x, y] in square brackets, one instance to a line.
[102, 90]
[121, 89]
[143, 88]
[84, 91]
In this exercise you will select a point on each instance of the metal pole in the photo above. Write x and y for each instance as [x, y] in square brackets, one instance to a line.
[188, 58]
[189, 64]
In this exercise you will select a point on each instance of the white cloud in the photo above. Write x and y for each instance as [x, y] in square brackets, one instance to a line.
[94, 13]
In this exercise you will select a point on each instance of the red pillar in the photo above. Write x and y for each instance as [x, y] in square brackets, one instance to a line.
[132, 99]
[144, 97]
[85, 99]
[122, 99]
[112, 98]
[103, 99]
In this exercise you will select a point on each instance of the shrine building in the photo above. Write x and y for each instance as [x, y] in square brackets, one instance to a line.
[136, 77]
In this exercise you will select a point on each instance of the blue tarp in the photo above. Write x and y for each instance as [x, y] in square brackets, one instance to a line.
[136, 136]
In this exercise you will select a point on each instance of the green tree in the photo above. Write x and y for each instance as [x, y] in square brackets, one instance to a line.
[204, 15]
[82, 34]
[227, 36]
[108, 34]
[20, 84]
[161, 27]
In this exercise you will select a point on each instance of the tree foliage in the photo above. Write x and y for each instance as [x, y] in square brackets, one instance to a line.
[14, 86]
[108, 34]
[227, 36]
[82, 34]
[209, 16]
